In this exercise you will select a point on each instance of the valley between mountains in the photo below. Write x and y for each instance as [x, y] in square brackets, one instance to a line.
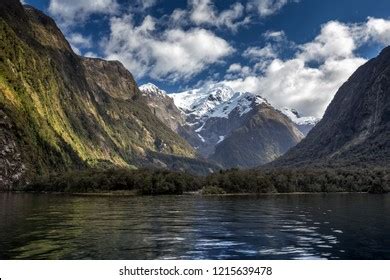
[75, 124]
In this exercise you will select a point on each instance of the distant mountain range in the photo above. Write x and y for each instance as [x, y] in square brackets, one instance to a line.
[233, 129]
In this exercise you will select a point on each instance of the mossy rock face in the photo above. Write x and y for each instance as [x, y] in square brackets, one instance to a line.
[69, 112]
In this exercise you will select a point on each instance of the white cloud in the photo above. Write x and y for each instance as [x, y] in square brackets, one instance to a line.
[91, 55]
[235, 70]
[80, 40]
[69, 12]
[146, 4]
[256, 53]
[276, 36]
[378, 30]
[309, 80]
[203, 12]
[268, 7]
[262, 56]
[171, 54]
[336, 40]
[139, 6]
[276, 42]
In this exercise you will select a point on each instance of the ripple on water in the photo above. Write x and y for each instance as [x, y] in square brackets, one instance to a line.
[283, 227]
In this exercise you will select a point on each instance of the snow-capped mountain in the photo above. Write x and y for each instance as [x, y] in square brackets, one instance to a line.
[213, 112]
[151, 89]
[216, 101]
[305, 124]
[297, 118]
[235, 129]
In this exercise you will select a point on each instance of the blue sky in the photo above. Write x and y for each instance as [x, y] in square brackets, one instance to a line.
[294, 53]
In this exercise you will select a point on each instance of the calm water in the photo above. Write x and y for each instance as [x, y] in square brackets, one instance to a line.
[335, 226]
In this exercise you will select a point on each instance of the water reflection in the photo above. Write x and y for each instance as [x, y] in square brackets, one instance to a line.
[336, 226]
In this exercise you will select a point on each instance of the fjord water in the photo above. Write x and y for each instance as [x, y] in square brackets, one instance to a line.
[332, 226]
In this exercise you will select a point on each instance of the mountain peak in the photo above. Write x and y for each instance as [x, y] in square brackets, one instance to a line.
[149, 87]
[153, 90]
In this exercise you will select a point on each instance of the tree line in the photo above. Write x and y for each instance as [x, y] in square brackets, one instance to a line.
[165, 182]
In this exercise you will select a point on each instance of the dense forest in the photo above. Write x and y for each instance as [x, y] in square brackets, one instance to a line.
[164, 182]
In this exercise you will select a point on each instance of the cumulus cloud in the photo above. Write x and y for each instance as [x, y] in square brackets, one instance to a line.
[268, 7]
[236, 70]
[275, 43]
[277, 36]
[262, 56]
[91, 55]
[170, 54]
[308, 80]
[146, 4]
[377, 29]
[204, 13]
[256, 53]
[69, 12]
[336, 41]
[80, 40]
[140, 6]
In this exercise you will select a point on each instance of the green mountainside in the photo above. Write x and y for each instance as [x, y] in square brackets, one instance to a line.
[59, 111]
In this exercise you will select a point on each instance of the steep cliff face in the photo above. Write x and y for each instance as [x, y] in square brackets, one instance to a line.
[12, 167]
[109, 77]
[355, 129]
[66, 112]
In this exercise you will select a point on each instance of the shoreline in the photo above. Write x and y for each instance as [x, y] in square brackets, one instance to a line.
[188, 194]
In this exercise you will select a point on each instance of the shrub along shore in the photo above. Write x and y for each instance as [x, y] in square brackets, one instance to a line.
[164, 182]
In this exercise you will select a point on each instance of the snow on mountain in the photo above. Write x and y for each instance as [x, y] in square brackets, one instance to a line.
[298, 119]
[213, 112]
[216, 101]
[153, 90]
